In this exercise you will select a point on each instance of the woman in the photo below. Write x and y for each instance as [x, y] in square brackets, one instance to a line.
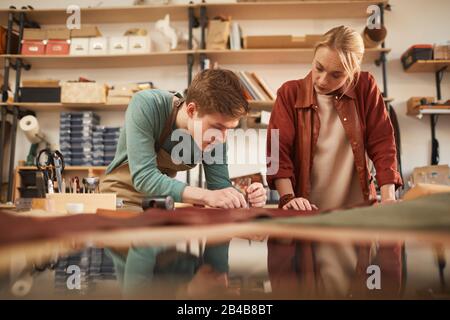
[330, 124]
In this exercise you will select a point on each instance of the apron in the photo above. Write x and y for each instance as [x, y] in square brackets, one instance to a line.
[119, 180]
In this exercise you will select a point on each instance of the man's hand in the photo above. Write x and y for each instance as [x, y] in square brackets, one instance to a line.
[256, 195]
[228, 198]
[300, 204]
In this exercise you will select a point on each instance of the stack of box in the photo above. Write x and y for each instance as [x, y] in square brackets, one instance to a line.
[104, 142]
[76, 134]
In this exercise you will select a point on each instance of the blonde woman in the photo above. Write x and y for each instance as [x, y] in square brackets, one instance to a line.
[330, 123]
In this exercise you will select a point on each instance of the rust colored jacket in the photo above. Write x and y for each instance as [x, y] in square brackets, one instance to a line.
[366, 123]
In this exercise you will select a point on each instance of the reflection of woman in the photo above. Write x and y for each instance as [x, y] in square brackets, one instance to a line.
[329, 124]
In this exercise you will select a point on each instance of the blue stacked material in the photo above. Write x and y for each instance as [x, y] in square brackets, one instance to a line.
[110, 140]
[76, 135]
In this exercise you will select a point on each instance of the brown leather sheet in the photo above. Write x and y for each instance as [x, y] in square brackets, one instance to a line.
[16, 229]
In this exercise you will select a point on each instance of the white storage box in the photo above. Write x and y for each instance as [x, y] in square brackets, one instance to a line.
[118, 45]
[79, 47]
[139, 44]
[98, 46]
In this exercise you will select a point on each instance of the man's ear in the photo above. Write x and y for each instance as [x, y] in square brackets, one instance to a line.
[191, 109]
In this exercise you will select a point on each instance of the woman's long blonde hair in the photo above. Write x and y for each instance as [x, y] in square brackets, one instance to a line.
[350, 46]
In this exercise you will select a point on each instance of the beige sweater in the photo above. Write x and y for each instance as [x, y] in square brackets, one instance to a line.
[334, 180]
[335, 184]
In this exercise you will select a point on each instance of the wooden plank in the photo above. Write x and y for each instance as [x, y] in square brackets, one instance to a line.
[275, 56]
[179, 12]
[291, 9]
[71, 168]
[133, 14]
[41, 106]
[429, 66]
[105, 61]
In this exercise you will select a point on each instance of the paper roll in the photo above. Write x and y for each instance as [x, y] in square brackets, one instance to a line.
[30, 126]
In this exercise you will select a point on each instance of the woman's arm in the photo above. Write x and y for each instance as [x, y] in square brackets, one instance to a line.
[284, 188]
[387, 193]
[380, 141]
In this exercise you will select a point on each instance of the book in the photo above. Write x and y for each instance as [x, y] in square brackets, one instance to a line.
[247, 86]
[264, 86]
[256, 87]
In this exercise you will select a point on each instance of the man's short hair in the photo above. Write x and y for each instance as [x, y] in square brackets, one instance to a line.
[218, 91]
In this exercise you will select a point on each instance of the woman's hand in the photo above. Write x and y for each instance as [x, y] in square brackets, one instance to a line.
[300, 204]
[388, 194]
[256, 195]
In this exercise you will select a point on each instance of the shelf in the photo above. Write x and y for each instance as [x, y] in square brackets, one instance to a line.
[429, 66]
[275, 56]
[69, 168]
[67, 107]
[36, 107]
[98, 15]
[435, 111]
[424, 109]
[246, 56]
[291, 9]
[104, 61]
[178, 12]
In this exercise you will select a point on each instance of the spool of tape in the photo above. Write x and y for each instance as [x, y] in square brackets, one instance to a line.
[30, 126]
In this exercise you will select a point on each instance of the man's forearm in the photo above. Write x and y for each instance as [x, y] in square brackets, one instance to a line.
[194, 195]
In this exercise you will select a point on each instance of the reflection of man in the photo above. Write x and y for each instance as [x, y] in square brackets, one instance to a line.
[143, 165]
[166, 273]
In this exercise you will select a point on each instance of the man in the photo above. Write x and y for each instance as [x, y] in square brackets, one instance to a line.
[146, 160]
[149, 155]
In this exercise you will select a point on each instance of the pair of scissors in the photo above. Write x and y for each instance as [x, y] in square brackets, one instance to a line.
[51, 163]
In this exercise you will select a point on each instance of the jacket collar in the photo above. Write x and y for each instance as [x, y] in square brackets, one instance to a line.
[307, 94]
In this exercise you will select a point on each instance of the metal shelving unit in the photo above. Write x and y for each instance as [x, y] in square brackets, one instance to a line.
[439, 68]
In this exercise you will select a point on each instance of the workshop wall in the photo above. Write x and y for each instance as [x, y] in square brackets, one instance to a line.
[410, 22]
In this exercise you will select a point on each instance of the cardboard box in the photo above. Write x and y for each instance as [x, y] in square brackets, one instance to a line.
[413, 104]
[83, 92]
[33, 47]
[98, 46]
[218, 34]
[139, 44]
[441, 52]
[79, 47]
[34, 34]
[85, 32]
[57, 47]
[118, 45]
[58, 34]
[14, 41]
[431, 175]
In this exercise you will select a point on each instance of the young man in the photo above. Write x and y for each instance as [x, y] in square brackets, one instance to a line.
[148, 158]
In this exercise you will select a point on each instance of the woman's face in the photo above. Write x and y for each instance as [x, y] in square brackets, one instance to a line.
[328, 73]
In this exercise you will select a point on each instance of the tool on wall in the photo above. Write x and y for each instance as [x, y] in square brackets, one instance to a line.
[51, 163]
